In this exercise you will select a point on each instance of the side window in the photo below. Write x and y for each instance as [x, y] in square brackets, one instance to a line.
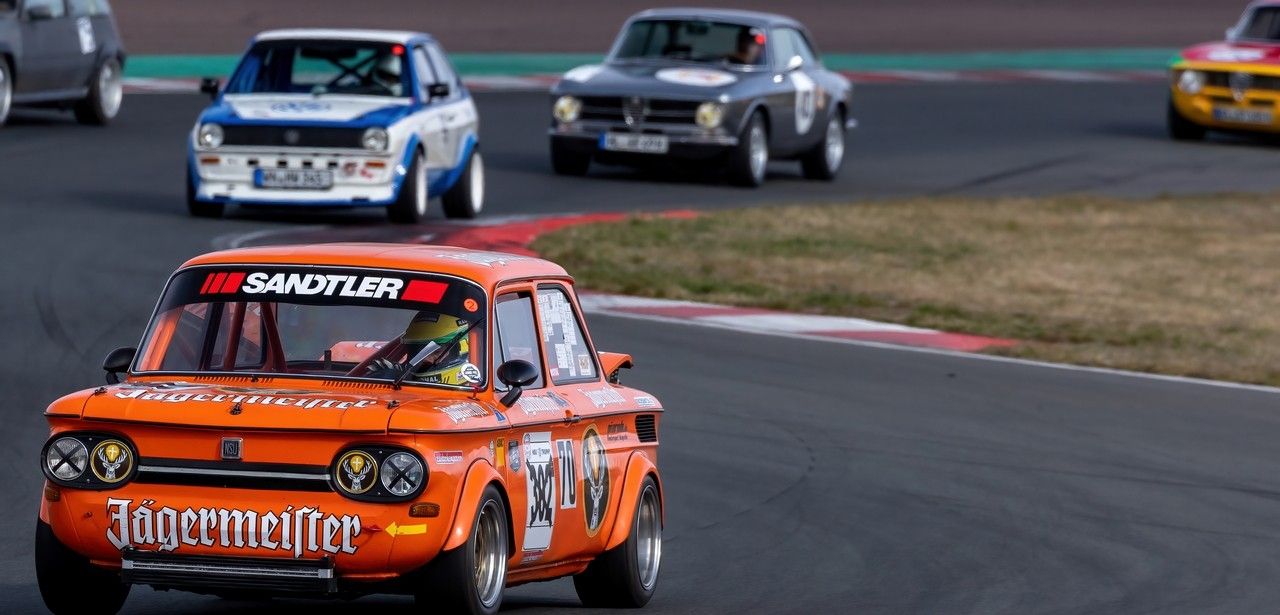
[426, 76]
[517, 335]
[569, 357]
[803, 48]
[87, 8]
[791, 43]
[56, 7]
[444, 72]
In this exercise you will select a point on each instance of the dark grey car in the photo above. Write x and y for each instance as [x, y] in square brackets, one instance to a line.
[60, 53]
[735, 88]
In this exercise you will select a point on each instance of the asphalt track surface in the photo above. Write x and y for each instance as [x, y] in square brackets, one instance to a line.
[801, 476]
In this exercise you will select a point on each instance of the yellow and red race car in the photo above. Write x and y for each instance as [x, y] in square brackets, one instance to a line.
[348, 419]
[1231, 85]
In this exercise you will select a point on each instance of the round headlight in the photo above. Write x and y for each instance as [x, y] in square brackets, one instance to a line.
[67, 458]
[1191, 81]
[401, 473]
[356, 472]
[375, 139]
[709, 114]
[567, 108]
[209, 135]
[111, 461]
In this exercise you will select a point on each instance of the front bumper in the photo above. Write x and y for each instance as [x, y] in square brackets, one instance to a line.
[221, 573]
[1218, 106]
[685, 141]
[148, 531]
[226, 175]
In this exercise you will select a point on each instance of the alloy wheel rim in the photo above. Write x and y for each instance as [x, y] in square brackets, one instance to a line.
[835, 144]
[420, 187]
[759, 151]
[489, 571]
[110, 89]
[6, 94]
[649, 539]
[477, 182]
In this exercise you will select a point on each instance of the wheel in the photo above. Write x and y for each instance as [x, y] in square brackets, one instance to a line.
[748, 161]
[1183, 129]
[105, 93]
[6, 91]
[824, 160]
[69, 584]
[410, 206]
[565, 161]
[466, 197]
[470, 578]
[201, 209]
[625, 576]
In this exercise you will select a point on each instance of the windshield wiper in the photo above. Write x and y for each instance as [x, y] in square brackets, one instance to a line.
[433, 353]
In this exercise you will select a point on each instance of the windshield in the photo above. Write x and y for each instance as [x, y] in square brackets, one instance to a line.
[320, 322]
[696, 41]
[1263, 24]
[322, 67]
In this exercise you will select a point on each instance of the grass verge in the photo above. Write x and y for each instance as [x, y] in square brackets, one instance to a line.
[1187, 286]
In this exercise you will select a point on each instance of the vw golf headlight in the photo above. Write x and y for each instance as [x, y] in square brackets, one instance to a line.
[567, 108]
[209, 135]
[67, 459]
[401, 474]
[1191, 81]
[375, 139]
[709, 115]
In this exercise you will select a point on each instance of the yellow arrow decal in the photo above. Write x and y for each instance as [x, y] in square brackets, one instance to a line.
[406, 530]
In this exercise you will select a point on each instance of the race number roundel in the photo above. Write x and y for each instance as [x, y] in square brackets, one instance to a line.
[806, 101]
[595, 479]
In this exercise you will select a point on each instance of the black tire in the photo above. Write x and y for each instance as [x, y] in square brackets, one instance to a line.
[743, 169]
[1183, 129]
[201, 209]
[105, 94]
[823, 162]
[616, 578]
[565, 161]
[6, 90]
[69, 584]
[410, 206]
[450, 580]
[466, 198]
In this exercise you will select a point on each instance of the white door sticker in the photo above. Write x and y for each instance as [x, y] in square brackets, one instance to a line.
[806, 101]
[540, 487]
[84, 26]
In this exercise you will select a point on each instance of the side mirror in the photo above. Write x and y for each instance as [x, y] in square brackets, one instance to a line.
[39, 12]
[614, 362]
[438, 90]
[794, 63]
[210, 86]
[516, 374]
[117, 362]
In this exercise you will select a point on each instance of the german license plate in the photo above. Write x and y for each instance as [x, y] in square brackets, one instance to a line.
[1242, 116]
[293, 179]
[640, 143]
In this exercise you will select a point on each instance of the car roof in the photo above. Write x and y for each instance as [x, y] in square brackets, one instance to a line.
[485, 268]
[351, 34]
[755, 18]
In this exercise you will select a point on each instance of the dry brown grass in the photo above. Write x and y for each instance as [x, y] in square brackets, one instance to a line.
[1175, 285]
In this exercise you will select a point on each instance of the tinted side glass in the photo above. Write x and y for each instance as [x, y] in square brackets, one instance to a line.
[87, 8]
[444, 72]
[569, 357]
[426, 76]
[517, 335]
[56, 7]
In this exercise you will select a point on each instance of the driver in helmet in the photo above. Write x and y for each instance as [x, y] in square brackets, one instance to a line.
[454, 368]
[386, 73]
[750, 45]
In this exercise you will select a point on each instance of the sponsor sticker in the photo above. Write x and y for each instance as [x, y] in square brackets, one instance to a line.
[616, 432]
[595, 479]
[513, 456]
[322, 285]
[463, 410]
[548, 403]
[568, 474]
[299, 532]
[540, 487]
[304, 402]
[602, 397]
[646, 401]
[695, 76]
[445, 458]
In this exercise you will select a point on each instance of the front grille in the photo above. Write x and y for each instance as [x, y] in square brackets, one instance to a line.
[1222, 79]
[166, 570]
[647, 428]
[289, 136]
[641, 110]
[233, 475]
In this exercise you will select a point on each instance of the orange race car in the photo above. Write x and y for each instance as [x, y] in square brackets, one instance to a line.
[346, 419]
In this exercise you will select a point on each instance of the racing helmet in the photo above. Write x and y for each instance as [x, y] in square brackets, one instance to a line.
[387, 71]
[429, 326]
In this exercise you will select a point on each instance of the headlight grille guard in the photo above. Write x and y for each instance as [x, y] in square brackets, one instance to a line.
[89, 477]
[378, 493]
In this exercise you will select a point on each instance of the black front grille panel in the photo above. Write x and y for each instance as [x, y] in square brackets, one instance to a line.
[617, 108]
[1256, 82]
[234, 475]
[206, 572]
[647, 428]
[287, 136]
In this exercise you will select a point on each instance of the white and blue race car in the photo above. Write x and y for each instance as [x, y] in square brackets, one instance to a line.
[338, 118]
